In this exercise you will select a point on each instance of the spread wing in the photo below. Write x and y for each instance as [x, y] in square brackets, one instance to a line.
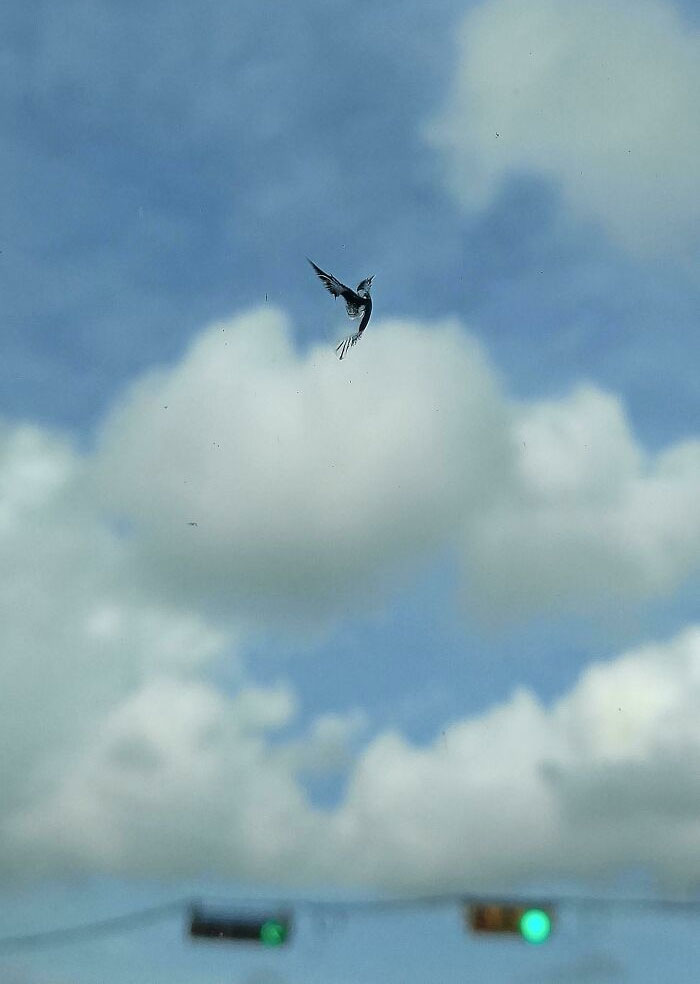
[330, 282]
[353, 302]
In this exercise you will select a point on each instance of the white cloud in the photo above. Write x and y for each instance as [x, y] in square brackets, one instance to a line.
[599, 97]
[315, 483]
[76, 636]
[310, 480]
[119, 755]
[605, 778]
[177, 778]
[589, 518]
[110, 734]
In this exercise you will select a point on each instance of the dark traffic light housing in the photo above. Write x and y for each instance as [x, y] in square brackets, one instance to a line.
[531, 922]
[265, 930]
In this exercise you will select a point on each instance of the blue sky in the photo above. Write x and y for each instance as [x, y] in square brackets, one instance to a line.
[436, 628]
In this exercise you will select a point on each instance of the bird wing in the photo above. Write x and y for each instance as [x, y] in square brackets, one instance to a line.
[353, 302]
[330, 282]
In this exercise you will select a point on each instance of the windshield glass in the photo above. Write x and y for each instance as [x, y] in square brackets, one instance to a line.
[349, 492]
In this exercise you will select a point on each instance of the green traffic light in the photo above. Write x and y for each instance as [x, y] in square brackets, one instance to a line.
[535, 925]
[272, 933]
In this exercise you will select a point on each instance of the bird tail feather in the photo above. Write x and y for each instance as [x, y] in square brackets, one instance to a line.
[347, 343]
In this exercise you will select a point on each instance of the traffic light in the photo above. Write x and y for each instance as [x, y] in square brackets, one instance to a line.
[532, 923]
[266, 930]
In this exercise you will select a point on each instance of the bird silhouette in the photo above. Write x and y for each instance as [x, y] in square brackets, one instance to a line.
[357, 303]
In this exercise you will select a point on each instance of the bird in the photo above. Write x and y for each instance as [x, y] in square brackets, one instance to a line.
[357, 303]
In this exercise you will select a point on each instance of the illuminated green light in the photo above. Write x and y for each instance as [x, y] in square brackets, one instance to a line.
[272, 933]
[535, 925]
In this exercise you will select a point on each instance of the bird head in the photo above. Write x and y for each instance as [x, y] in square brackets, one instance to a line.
[364, 286]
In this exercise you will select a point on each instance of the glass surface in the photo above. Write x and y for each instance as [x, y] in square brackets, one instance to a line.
[349, 491]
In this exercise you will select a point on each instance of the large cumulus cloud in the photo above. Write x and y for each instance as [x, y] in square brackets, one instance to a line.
[314, 483]
[310, 480]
